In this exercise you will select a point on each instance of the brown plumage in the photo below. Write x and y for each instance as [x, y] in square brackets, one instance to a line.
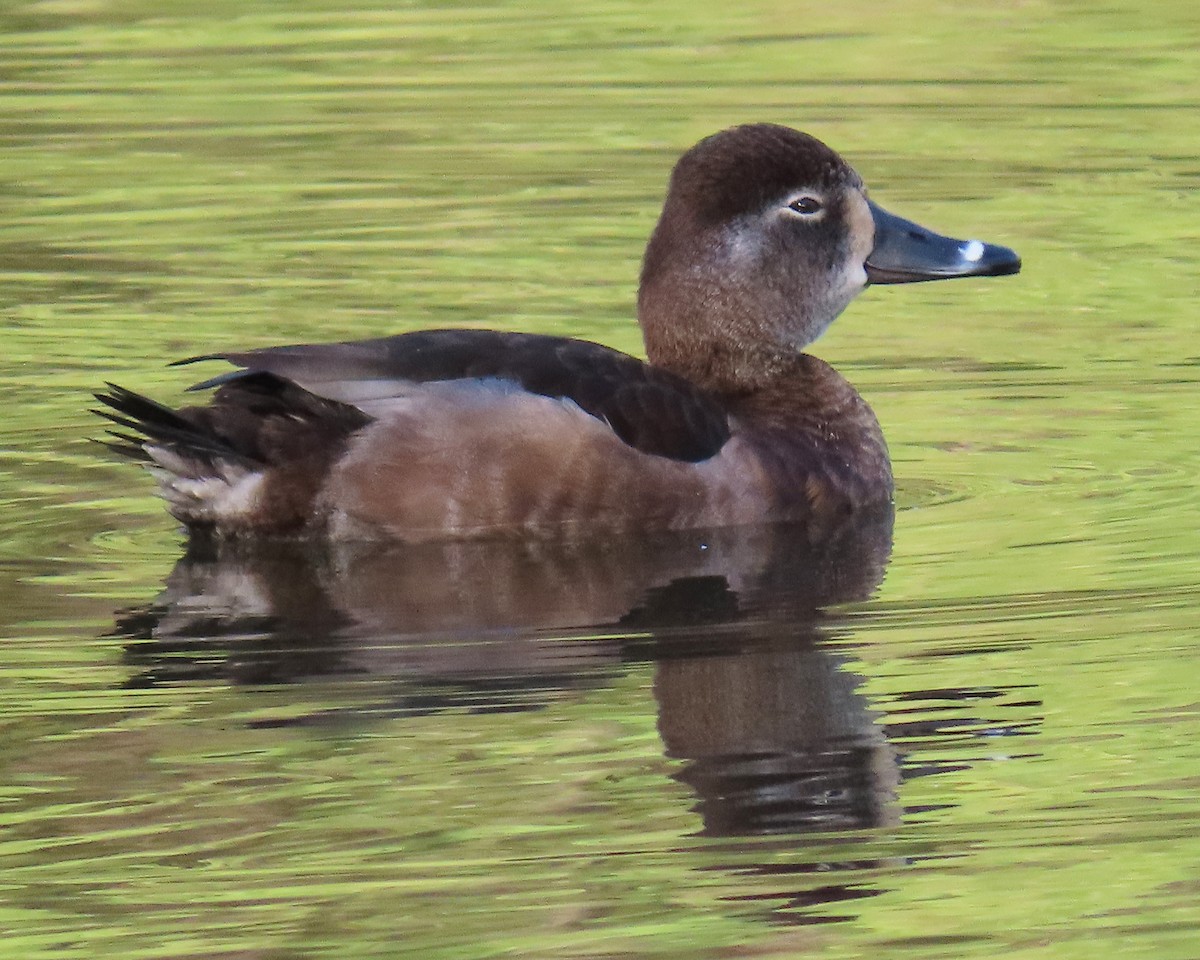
[765, 236]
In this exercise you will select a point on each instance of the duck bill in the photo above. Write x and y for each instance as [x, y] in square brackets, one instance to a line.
[906, 252]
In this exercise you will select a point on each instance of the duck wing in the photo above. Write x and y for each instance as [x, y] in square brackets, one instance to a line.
[650, 409]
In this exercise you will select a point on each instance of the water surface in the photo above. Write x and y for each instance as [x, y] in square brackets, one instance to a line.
[970, 732]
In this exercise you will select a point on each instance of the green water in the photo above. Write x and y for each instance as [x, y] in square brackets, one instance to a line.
[457, 754]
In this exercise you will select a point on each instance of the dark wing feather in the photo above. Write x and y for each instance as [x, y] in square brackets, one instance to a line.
[256, 420]
[650, 409]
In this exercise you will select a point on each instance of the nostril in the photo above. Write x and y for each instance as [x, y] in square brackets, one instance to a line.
[918, 236]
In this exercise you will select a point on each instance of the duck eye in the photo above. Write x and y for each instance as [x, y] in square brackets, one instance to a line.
[805, 206]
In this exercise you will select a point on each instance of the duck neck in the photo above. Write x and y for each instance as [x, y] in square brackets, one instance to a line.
[714, 311]
[709, 335]
[723, 367]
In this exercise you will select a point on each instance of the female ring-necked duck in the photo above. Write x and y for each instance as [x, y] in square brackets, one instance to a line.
[765, 236]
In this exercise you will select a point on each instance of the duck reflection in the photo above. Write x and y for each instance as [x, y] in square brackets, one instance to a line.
[763, 716]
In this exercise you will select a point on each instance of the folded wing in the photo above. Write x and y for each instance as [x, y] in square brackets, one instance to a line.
[653, 411]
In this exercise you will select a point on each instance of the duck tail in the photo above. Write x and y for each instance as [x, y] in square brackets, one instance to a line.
[207, 481]
[157, 429]
[252, 460]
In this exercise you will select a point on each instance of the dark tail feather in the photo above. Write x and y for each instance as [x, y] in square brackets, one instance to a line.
[124, 445]
[153, 423]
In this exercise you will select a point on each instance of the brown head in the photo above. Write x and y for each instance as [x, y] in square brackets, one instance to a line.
[765, 236]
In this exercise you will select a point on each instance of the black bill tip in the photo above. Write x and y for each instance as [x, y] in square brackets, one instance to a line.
[906, 252]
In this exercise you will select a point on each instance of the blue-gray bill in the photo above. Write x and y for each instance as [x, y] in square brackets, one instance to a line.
[906, 252]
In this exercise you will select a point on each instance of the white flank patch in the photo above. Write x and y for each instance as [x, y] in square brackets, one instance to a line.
[196, 495]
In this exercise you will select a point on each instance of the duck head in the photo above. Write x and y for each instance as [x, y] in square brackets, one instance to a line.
[765, 236]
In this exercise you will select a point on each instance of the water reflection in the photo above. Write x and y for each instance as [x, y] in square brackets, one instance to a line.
[773, 736]
[776, 742]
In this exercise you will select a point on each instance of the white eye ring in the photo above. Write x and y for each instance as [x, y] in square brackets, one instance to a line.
[806, 206]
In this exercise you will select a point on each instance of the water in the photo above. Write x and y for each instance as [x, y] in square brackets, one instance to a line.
[968, 733]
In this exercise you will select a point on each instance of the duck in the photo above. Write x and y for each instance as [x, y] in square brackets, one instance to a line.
[765, 236]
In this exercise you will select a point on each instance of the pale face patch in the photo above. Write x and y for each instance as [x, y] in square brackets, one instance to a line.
[742, 243]
[861, 226]
[849, 278]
